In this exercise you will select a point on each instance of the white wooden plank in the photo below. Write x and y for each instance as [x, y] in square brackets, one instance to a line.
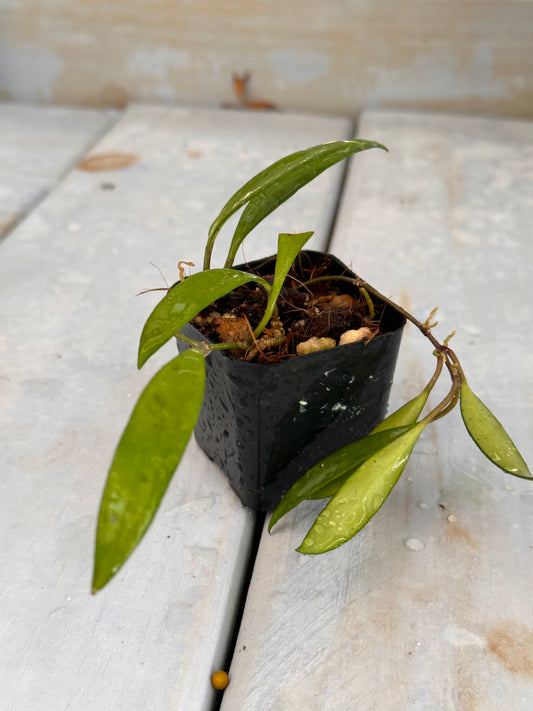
[444, 219]
[39, 145]
[462, 55]
[70, 329]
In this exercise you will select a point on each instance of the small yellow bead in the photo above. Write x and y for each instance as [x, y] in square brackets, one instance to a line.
[220, 680]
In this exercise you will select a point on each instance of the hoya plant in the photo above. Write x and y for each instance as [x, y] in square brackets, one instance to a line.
[356, 479]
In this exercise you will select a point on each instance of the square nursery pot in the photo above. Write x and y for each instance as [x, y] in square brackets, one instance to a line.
[264, 425]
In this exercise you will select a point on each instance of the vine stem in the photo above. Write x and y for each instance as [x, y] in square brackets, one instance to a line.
[362, 284]
[448, 403]
[205, 347]
[442, 350]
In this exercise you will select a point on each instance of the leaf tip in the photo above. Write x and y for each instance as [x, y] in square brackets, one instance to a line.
[273, 520]
[142, 357]
[304, 551]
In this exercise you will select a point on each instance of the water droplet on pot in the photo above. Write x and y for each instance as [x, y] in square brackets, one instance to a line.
[414, 544]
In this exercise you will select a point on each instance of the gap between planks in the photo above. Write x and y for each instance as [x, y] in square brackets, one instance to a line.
[261, 515]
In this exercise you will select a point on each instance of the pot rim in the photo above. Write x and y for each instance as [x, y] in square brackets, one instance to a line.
[355, 345]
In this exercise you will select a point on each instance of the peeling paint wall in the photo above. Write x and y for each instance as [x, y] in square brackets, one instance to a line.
[458, 55]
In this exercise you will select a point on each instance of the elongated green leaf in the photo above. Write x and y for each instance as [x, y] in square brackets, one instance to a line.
[184, 302]
[361, 496]
[396, 422]
[407, 414]
[288, 247]
[275, 184]
[325, 478]
[147, 455]
[490, 436]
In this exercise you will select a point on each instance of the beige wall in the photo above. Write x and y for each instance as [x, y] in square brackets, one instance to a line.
[332, 57]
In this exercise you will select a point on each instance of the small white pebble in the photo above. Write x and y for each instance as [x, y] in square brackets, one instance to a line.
[354, 336]
[452, 518]
[315, 344]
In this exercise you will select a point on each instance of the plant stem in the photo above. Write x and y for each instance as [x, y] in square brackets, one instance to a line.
[369, 302]
[206, 348]
[226, 346]
[441, 349]
[270, 313]
[361, 284]
[190, 341]
[449, 402]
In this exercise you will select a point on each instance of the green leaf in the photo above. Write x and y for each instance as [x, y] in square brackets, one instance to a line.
[275, 184]
[394, 424]
[362, 495]
[147, 455]
[490, 436]
[289, 245]
[407, 414]
[184, 301]
[325, 478]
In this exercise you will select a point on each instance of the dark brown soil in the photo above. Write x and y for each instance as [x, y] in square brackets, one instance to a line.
[324, 309]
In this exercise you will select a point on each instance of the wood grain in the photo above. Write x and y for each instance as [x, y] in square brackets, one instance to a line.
[452, 55]
[39, 146]
[68, 380]
[429, 606]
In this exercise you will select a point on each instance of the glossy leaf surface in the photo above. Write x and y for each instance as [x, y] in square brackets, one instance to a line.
[289, 245]
[184, 301]
[275, 184]
[361, 496]
[407, 414]
[393, 425]
[490, 436]
[325, 478]
[147, 455]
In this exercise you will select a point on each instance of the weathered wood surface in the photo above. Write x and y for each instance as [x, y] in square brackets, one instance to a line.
[461, 55]
[429, 607]
[70, 328]
[38, 146]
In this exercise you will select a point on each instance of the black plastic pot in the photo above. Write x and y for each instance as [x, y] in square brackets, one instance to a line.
[266, 424]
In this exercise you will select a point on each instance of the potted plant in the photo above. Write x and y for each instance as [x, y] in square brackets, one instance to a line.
[298, 354]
